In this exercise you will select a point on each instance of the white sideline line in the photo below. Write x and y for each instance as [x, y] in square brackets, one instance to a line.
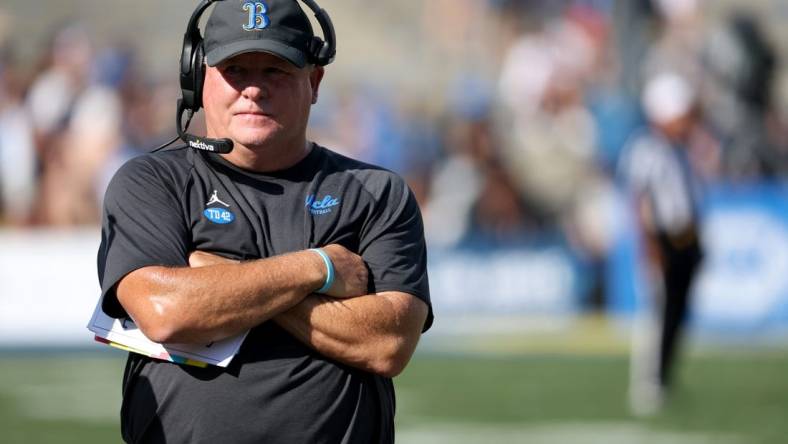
[562, 432]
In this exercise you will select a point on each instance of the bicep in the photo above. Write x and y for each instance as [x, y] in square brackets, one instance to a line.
[142, 226]
[394, 249]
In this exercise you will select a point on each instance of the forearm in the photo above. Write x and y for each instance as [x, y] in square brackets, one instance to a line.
[377, 333]
[199, 305]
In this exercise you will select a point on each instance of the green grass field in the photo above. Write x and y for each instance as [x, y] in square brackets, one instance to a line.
[532, 397]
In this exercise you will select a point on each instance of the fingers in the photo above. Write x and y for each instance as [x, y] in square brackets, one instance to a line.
[203, 259]
[351, 276]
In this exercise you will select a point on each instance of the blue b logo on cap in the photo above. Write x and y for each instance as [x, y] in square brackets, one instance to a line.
[258, 15]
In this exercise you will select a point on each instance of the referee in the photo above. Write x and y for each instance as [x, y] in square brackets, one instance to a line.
[665, 194]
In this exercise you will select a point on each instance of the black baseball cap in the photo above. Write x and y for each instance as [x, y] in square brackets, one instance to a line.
[279, 27]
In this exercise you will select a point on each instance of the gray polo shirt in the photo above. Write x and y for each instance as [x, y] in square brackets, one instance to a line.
[160, 207]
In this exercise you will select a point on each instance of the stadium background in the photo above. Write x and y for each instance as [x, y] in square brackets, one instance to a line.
[531, 254]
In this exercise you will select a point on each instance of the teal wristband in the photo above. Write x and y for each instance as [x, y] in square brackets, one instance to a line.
[329, 270]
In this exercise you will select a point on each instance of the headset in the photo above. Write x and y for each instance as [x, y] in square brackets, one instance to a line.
[192, 73]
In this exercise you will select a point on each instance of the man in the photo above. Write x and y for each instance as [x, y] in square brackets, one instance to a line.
[665, 193]
[198, 246]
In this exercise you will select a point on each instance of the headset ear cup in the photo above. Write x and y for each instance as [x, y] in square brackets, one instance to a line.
[198, 75]
[316, 49]
[325, 54]
[187, 75]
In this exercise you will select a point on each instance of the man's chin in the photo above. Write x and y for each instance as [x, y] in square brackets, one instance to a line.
[255, 140]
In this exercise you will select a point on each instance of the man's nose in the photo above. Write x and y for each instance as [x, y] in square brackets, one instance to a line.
[255, 91]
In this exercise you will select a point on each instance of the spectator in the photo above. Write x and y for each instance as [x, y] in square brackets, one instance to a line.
[741, 65]
[17, 148]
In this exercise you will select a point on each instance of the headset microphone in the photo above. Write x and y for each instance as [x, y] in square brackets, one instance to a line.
[221, 146]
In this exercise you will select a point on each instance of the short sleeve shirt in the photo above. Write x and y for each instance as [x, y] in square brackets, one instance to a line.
[158, 208]
[652, 167]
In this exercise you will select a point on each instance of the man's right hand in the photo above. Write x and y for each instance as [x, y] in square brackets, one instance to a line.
[351, 277]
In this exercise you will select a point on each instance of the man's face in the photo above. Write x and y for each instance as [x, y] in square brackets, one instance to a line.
[257, 99]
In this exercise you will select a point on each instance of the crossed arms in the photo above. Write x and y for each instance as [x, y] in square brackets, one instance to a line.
[216, 298]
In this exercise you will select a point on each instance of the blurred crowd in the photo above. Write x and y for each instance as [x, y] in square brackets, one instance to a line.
[68, 122]
[524, 138]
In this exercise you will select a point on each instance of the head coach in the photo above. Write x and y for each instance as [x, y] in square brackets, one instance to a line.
[256, 228]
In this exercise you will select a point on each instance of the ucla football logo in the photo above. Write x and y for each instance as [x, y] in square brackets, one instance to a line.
[321, 206]
[258, 16]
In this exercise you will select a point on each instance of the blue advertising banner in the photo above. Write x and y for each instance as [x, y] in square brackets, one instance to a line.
[538, 279]
[742, 285]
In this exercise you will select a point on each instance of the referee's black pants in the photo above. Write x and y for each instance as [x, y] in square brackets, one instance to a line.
[679, 270]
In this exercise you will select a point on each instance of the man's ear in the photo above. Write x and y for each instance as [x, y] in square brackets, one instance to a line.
[315, 77]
